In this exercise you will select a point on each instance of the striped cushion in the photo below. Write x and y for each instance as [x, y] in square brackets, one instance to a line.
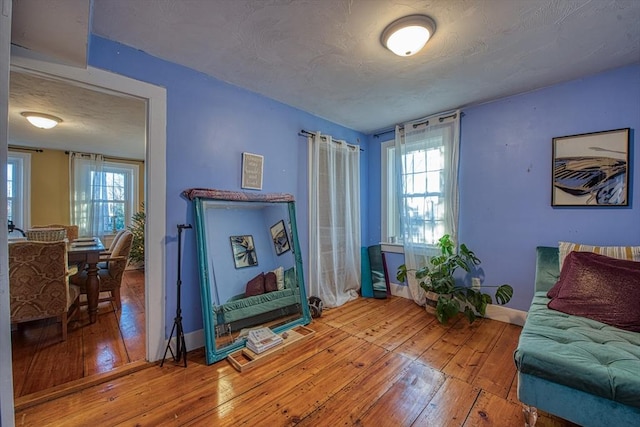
[631, 253]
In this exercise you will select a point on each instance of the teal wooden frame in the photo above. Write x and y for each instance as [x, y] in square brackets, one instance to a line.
[212, 353]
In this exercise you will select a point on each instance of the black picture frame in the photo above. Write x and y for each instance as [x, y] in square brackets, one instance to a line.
[280, 238]
[591, 169]
[244, 251]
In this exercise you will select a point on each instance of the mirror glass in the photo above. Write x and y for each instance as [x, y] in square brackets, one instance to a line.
[250, 266]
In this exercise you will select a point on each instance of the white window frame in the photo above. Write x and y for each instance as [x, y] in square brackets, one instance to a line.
[131, 172]
[390, 227]
[131, 182]
[390, 215]
[22, 188]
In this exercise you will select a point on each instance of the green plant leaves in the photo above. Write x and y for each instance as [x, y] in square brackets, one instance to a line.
[438, 277]
[469, 314]
[504, 294]
[447, 308]
[137, 228]
[401, 275]
[469, 256]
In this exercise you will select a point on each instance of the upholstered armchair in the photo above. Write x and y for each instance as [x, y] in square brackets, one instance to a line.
[111, 276]
[105, 255]
[38, 283]
[71, 230]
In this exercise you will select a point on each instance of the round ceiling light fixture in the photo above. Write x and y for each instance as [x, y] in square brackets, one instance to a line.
[406, 36]
[41, 120]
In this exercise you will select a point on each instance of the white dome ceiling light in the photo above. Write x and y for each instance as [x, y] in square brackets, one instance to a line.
[407, 36]
[41, 120]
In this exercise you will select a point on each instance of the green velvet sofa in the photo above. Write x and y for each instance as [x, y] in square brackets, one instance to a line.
[576, 368]
[240, 311]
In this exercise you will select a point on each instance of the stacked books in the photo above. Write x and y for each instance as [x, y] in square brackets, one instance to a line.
[262, 339]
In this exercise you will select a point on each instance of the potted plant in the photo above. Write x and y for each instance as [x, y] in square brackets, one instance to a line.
[137, 228]
[444, 297]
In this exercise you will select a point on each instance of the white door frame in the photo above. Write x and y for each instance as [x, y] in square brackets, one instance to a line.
[155, 178]
[6, 377]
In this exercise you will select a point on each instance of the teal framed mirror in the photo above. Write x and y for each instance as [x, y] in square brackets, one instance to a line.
[250, 265]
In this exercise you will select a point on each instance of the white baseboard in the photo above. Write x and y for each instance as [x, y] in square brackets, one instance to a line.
[400, 290]
[193, 340]
[494, 312]
[506, 314]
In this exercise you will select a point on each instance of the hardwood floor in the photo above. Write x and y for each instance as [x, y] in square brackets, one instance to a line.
[41, 361]
[370, 363]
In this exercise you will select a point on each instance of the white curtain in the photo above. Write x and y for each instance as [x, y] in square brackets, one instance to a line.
[427, 179]
[334, 220]
[89, 205]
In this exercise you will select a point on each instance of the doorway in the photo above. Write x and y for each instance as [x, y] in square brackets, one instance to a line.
[154, 176]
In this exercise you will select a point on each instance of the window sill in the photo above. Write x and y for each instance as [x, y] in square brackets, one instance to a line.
[396, 248]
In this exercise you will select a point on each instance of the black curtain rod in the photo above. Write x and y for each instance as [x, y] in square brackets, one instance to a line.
[17, 147]
[307, 133]
[112, 158]
[415, 125]
[377, 135]
[440, 119]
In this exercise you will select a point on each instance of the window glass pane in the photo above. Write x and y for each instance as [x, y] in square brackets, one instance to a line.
[435, 159]
[112, 198]
[432, 182]
[424, 186]
[111, 191]
[423, 181]
[420, 183]
[18, 165]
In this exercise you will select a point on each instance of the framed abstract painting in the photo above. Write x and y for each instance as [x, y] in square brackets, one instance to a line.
[279, 237]
[244, 251]
[591, 169]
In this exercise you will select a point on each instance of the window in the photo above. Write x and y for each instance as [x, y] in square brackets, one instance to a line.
[390, 215]
[105, 196]
[18, 188]
[423, 178]
[115, 192]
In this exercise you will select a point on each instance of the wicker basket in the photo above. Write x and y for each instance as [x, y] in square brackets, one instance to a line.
[46, 234]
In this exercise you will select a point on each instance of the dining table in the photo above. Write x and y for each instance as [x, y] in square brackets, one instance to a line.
[86, 251]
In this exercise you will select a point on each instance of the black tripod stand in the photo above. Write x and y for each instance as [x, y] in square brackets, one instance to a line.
[181, 347]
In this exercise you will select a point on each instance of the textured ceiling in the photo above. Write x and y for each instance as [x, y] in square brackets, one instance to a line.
[93, 121]
[325, 57]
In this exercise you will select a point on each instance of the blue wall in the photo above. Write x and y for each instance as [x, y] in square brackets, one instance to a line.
[505, 164]
[209, 124]
[505, 175]
[222, 223]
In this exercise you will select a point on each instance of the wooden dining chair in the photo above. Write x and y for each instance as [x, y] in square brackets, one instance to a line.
[39, 283]
[110, 277]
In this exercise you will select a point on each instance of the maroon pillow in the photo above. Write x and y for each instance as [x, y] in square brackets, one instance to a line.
[599, 287]
[255, 286]
[270, 282]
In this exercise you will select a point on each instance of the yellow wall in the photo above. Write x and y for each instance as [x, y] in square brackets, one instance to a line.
[50, 187]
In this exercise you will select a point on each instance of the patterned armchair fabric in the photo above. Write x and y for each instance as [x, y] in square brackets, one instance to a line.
[111, 276]
[38, 282]
[71, 230]
[104, 256]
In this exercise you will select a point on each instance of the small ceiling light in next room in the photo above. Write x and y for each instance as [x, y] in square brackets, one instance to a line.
[41, 120]
[406, 36]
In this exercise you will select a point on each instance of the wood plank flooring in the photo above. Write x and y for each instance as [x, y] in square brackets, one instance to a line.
[370, 363]
[42, 361]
